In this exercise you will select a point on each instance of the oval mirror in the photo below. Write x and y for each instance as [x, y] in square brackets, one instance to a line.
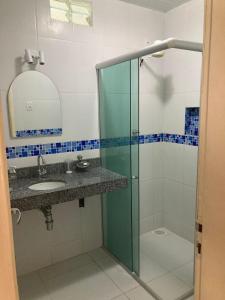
[34, 106]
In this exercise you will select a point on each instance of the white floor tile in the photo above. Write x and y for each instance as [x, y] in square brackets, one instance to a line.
[168, 287]
[186, 273]
[118, 275]
[149, 269]
[65, 266]
[85, 283]
[139, 294]
[191, 298]
[32, 288]
[170, 251]
[98, 254]
[122, 297]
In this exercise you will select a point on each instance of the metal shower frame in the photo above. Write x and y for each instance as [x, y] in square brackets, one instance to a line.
[170, 43]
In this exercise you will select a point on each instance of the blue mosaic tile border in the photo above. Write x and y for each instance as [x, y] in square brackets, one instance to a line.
[192, 121]
[73, 146]
[51, 148]
[150, 138]
[38, 132]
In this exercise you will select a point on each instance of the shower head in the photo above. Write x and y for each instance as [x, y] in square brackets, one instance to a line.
[159, 54]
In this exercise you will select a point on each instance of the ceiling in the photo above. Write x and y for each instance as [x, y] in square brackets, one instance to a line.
[160, 5]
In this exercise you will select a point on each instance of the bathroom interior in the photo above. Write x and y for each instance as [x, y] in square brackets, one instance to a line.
[101, 102]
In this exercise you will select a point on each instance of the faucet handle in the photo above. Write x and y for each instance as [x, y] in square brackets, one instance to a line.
[12, 170]
[79, 157]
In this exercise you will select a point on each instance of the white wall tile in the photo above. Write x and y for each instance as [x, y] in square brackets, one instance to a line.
[91, 222]
[195, 13]
[188, 212]
[190, 164]
[67, 223]
[32, 242]
[151, 165]
[151, 117]
[66, 250]
[141, 23]
[66, 63]
[151, 77]
[173, 195]
[18, 17]
[80, 116]
[12, 56]
[173, 161]
[151, 197]
[115, 33]
[76, 230]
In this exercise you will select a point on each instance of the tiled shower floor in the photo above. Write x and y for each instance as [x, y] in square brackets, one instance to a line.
[93, 276]
[166, 264]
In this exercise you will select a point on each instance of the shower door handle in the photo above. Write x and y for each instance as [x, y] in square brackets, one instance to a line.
[134, 177]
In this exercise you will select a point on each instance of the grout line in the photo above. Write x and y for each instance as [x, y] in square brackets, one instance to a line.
[117, 263]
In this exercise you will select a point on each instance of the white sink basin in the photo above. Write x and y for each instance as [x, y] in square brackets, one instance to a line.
[47, 185]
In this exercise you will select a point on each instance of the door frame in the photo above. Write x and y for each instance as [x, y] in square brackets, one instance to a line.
[210, 263]
[8, 279]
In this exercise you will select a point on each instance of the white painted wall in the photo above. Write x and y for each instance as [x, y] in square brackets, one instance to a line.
[71, 54]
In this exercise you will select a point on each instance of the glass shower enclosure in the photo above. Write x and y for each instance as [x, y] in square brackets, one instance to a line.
[119, 133]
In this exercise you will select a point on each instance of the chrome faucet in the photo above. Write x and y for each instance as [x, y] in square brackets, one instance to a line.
[12, 172]
[41, 168]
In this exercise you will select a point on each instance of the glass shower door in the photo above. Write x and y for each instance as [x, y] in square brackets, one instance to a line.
[119, 153]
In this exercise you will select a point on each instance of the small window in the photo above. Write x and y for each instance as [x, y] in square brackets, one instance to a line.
[72, 11]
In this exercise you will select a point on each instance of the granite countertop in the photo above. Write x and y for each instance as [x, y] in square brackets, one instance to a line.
[79, 184]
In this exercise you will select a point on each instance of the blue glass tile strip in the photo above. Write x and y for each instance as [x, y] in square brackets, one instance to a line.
[72, 146]
[39, 132]
[150, 138]
[180, 139]
[51, 148]
[192, 121]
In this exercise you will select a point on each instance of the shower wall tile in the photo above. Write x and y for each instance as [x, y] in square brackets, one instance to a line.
[151, 118]
[151, 77]
[190, 161]
[151, 161]
[151, 197]
[151, 222]
[182, 81]
[173, 161]
[188, 212]
[174, 113]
